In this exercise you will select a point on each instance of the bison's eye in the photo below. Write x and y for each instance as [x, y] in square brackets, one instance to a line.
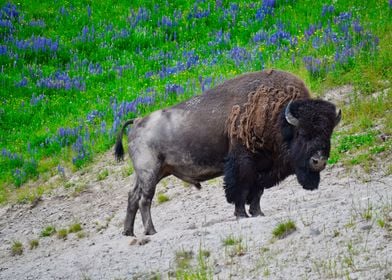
[304, 134]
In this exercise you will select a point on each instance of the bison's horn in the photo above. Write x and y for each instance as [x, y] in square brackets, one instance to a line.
[289, 117]
[338, 116]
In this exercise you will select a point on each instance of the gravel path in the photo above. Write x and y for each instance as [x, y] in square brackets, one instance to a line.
[344, 230]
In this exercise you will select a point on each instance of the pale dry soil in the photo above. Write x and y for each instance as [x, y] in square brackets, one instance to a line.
[338, 230]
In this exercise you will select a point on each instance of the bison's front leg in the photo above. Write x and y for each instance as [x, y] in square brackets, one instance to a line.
[240, 177]
[254, 200]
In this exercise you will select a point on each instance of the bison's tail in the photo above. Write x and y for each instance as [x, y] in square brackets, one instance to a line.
[230, 182]
[118, 148]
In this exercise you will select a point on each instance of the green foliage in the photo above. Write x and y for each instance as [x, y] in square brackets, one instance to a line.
[63, 101]
[283, 229]
[16, 248]
[48, 231]
[74, 228]
[103, 175]
[34, 243]
[162, 198]
[81, 234]
[201, 271]
[62, 233]
[231, 240]
[350, 142]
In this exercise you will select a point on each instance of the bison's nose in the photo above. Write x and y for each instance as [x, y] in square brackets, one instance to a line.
[318, 163]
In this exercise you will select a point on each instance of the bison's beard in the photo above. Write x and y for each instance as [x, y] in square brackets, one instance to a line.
[309, 180]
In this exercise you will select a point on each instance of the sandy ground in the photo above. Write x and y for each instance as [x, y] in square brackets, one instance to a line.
[339, 232]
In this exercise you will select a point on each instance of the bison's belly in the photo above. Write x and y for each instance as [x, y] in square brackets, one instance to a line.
[196, 174]
[194, 166]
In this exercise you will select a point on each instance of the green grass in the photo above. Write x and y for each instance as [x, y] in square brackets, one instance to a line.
[116, 61]
[231, 240]
[16, 248]
[62, 233]
[48, 231]
[284, 229]
[34, 243]
[184, 270]
[103, 175]
[74, 228]
[162, 198]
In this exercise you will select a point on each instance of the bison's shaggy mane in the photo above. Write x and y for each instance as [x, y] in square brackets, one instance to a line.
[255, 123]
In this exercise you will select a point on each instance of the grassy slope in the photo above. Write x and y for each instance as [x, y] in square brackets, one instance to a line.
[115, 60]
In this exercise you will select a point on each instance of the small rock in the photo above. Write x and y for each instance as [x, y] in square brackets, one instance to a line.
[139, 241]
[314, 232]
[366, 227]
[217, 269]
[143, 241]
[192, 226]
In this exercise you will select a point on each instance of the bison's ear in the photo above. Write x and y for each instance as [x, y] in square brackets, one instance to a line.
[338, 116]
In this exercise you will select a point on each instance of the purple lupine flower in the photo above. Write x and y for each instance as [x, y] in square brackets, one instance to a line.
[166, 22]
[89, 11]
[149, 74]
[3, 50]
[22, 83]
[205, 83]
[267, 8]
[198, 13]
[344, 16]
[313, 65]
[357, 27]
[95, 68]
[312, 29]
[221, 37]
[93, 115]
[35, 100]
[260, 36]
[174, 88]
[327, 9]
[37, 23]
[142, 14]
[9, 11]
[61, 170]
[316, 42]
[103, 127]
[37, 44]
[239, 55]
[61, 80]
[6, 23]
[63, 11]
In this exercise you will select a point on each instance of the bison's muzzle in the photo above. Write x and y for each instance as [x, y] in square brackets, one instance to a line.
[317, 162]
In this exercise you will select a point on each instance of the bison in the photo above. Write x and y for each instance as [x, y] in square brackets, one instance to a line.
[255, 129]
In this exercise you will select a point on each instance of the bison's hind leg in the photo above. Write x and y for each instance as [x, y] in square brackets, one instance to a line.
[147, 170]
[133, 205]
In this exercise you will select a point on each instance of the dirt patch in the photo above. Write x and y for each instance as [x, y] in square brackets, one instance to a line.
[343, 229]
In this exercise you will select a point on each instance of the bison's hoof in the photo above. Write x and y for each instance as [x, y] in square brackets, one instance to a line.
[128, 232]
[150, 231]
[241, 215]
[257, 213]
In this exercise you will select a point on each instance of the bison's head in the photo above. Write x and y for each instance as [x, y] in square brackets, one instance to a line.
[307, 127]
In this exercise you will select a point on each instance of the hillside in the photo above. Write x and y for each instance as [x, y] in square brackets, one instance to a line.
[73, 71]
[343, 230]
